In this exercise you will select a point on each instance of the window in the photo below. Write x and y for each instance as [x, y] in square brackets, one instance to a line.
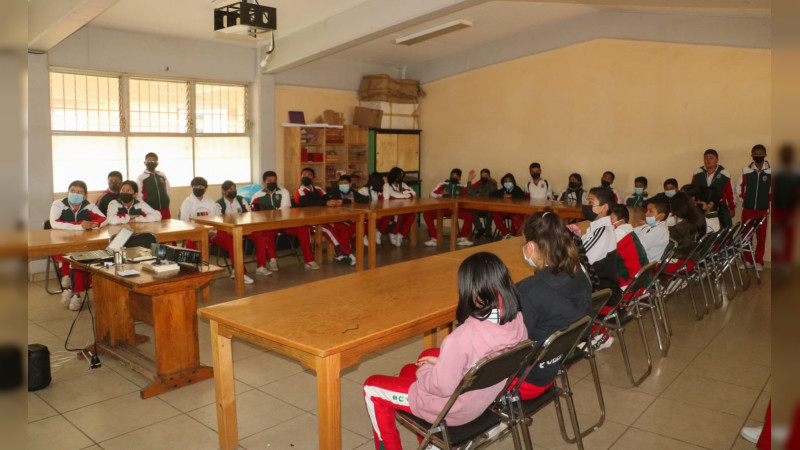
[95, 131]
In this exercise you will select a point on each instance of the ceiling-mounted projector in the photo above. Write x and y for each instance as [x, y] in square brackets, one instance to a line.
[245, 18]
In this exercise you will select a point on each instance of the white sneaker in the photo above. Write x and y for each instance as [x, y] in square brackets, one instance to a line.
[312, 265]
[66, 282]
[759, 267]
[602, 342]
[398, 240]
[464, 242]
[751, 434]
[378, 237]
[75, 303]
[366, 241]
[508, 236]
[263, 271]
[65, 297]
[352, 259]
[273, 265]
[748, 264]
[431, 243]
[247, 279]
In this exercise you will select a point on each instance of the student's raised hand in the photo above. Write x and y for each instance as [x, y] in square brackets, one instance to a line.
[427, 360]
[471, 175]
[86, 225]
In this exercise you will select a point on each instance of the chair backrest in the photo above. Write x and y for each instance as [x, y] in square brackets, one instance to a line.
[705, 244]
[489, 371]
[599, 300]
[722, 234]
[143, 239]
[669, 251]
[750, 228]
[46, 225]
[640, 282]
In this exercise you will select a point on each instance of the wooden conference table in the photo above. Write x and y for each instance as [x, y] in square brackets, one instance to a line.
[521, 206]
[239, 225]
[385, 306]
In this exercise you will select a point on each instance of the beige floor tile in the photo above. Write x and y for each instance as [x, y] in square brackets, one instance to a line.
[97, 386]
[719, 368]
[189, 398]
[111, 418]
[55, 433]
[768, 385]
[545, 431]
[38, 409]
[129, 374]
[255, 412]
[689, 423]
[406, 352]
[60, 326]
[712, 394]
[623, 406]
[179, 432]
[36, 332]
[760, 409]
[373, 364]
[635, 439]
[299, 432]
[299, 390]
[742, 443]
[265, 368]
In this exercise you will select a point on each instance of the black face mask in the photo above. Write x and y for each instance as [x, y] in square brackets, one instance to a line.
[535, 175]
[114, 187]
[272, 186]
[588, 214]
[453, 180]
[198, 192]
[231, 194]
[573, 185]
[151, 166]
[758, 159]
[605, 183]
[126, 197]
[306, 181]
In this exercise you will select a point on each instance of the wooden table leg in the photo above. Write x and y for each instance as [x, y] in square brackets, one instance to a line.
[359, 243]
[238, 255]
[454, 227]
[329, 251]
[202, 241]
[329, 413]
[318, 244]
[223, 387]
[113, 320]
[373, 254]
[445, 331]
[429, 338]
[440, 226]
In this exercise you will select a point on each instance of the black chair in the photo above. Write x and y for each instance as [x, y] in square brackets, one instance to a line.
[557, 347]
[654, 300]
[51, 261]
[143, 239]
[745, 245]
[684, 275]
[485, 373]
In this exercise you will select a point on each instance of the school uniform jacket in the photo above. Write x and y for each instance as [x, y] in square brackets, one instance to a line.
[516, 192]
[654, 239]
[636, 200]
[154, 189]
[349, 198]
[265, 201]
[632, 257]
[310, 196]
[570, 195]
[754, 187]
[449, 190]
[196, 207]
[104, 199]
[481, 189]
[720, 182]
[235, 206]
[118, 213]
[372, 195]
[539, 191]
[600, 244]
[63, 217]
[401, 191]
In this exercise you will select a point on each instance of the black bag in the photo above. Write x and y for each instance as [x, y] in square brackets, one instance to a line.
[38, 367]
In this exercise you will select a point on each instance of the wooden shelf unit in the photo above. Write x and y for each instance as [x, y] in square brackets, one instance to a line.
[330, 150]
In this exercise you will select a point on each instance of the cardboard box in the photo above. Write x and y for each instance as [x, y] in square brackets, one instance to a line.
[400, 116]
[367, 118]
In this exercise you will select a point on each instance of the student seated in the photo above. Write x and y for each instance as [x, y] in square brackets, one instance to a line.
[74, 213]
[537, 188]
[127, 208]
[556, 295]
[632, 255]
[704, 199]
[670, 188]
[373, 190]
[489, 323]
[275, 197]
[481, 188]
[450, 188]
[654, 235]
[600, 241]
[231, 203]
[689, 225]
[639, 195]
[620, 218]
[509, 189]
[309, 194]
[395, 188]
[574, 191]
[344, 231]
[606, 181]
[112, 193]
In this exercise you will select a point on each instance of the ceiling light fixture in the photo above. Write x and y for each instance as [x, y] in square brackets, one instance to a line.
[432, 32]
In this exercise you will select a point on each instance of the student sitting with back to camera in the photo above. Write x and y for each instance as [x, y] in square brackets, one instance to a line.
[345, 231]
[509, 189]
[450, 188]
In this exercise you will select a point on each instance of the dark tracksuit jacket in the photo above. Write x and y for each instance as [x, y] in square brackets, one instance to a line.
[721, 183]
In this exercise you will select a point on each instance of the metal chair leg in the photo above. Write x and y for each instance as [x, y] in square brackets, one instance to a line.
[52, 261]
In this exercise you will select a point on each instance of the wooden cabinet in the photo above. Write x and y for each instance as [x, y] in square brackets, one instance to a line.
[328, 149]
[396, 148]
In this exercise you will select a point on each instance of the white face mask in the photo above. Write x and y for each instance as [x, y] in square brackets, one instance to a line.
[529, 260]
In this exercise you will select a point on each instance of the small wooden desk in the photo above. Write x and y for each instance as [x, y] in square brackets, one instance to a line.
[376, 210]
[239, 225]
[385, 306]
[520, 206]
[168, 303]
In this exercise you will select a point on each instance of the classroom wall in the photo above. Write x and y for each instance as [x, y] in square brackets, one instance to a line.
[312, 101]
[633, 107]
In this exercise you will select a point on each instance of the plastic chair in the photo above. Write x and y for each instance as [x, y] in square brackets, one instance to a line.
[51, 261]
[485, 373]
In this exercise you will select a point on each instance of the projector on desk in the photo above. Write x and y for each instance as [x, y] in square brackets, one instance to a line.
[169, 253]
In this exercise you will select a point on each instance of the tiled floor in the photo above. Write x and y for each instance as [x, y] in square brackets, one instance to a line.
[715, 380]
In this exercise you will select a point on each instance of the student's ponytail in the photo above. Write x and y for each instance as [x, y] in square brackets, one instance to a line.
[590, 272]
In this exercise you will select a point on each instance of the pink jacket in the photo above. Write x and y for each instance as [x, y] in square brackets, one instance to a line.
[468, 343]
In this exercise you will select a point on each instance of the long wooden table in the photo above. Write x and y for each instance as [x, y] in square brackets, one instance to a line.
[385, 306]
[168, 303]
[239, 225]
[565, 210]
[377, 210]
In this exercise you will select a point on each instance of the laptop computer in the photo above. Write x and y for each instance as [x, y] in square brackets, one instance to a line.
[106, 254]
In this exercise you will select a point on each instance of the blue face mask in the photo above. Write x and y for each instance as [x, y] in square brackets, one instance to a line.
[638, 191]
[508, 186]
[345, 188]
[670, 193]
[651, 221]
[529, 260]
[75, 199]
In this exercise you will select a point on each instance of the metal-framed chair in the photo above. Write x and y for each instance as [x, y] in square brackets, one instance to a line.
[718, 261]
[51, 261]
[485, 373]
[689, 273]
[655, 298]
[745, 245]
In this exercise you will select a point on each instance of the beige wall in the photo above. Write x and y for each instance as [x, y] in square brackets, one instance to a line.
[636, 108]
[312, 101]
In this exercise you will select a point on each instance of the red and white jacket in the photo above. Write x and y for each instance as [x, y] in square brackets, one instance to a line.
[64, 217]
[401, 191]
[119, 213]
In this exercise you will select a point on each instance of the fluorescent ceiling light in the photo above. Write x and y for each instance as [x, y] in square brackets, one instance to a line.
[432, 32]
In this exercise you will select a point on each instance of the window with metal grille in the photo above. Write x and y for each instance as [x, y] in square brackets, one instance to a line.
[220, 109]
[84, 103]
[158, 106]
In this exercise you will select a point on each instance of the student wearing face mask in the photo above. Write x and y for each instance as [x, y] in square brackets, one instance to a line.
[537, 188]
[754, 190]
[154, 186]
[600, 242]
[670, 188]
[557, 294]
[509, 189]
[127, 208]
[704, 199]
[74, 213]
[232, 203]
[112, 193]
[309, 194]
[654, 234]
[481, 188]
[606, 181]
[632, 254]
[712, 174]
[639, 196]
[450, 188]
[345, 231]
[395, 188]
[574, 191]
